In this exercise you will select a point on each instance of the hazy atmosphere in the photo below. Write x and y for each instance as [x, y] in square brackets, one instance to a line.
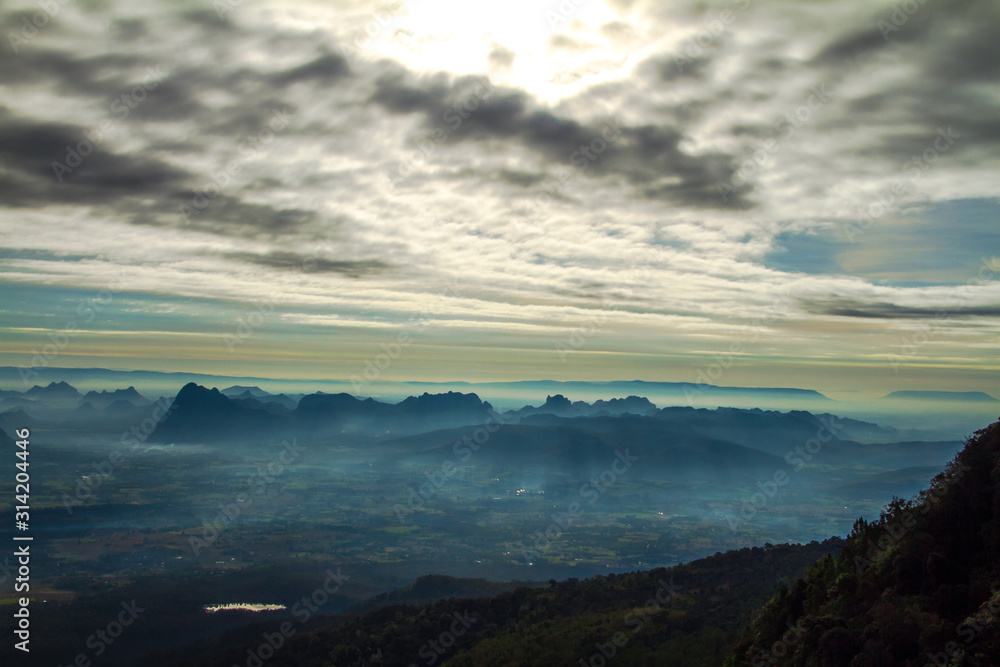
[619, 190]
[533, 333]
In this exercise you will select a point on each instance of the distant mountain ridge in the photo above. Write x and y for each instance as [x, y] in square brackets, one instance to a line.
[964, 396]
[561, 406]
[14, 376]
[54, 390]
[678, 387]
[200, 415]
[103, 398]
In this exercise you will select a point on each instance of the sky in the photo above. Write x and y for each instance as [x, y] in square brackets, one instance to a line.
[753, 192]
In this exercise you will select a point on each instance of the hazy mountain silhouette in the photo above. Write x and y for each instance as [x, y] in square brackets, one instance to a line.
[343, 412]
[17, 418]
[919, 586]
[261, 396]
[53, 391]
[774, 433]
[239, 390]
[961, 396]
[640, 387]
[550, 450]
[203, 415]
[903, 483]
[102, 399]
[122, 408]
[561, 406]
[762, 428]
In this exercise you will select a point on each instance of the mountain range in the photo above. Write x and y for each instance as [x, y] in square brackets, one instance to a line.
[919, 586]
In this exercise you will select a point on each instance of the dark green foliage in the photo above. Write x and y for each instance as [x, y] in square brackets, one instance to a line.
[561, 623]
[921, 585]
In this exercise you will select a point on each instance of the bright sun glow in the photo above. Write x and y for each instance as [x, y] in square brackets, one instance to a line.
[458, 37]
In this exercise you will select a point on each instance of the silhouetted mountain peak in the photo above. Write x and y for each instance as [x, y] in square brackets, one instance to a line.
[239, 390]
[54, 390]
[329, 404]
[561, 406]
[193, 394]
[199, 413]
[106, 398]
[557, 402]
[440, 404]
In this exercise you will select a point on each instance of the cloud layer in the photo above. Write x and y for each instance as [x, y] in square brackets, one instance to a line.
[679, 174]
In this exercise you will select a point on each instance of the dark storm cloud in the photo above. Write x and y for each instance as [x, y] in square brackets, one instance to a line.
[676, 68]
[324, 69]
[858, 43]
[647, 156]
[171, 100]
[128, 30]
[953, 48]
[309, 264]
[148, 191]
[209, 20]
[95, 76]
[845, 307]
[521, 179]
[29, 150]
[242, 120]
[226, 215]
